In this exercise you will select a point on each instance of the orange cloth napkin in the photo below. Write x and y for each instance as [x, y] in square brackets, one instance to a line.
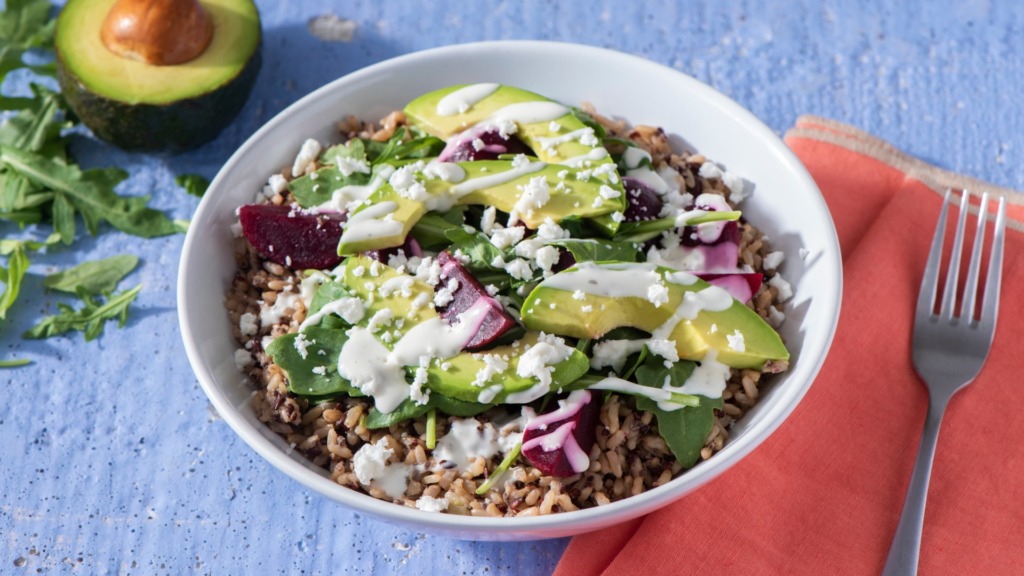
[824, 493]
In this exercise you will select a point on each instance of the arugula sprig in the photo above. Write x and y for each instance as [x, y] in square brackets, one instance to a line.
[90, 318]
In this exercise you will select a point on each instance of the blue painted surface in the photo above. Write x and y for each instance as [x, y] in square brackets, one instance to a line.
[112, 461]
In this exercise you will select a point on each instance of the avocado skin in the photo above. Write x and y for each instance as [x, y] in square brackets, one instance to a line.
[173, 127]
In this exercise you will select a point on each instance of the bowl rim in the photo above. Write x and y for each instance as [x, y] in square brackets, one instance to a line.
[811, 357]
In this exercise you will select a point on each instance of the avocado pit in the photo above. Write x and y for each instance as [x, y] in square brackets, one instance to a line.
[158, 32]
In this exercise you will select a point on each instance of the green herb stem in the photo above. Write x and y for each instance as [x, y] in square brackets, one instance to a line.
[500, 470]
[431, 429]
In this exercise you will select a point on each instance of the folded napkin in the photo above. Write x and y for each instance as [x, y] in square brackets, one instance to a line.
[824, 493]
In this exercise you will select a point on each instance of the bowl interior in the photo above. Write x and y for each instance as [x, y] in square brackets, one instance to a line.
[785, 204]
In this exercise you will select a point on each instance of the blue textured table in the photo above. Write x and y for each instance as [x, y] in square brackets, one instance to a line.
[114, 463]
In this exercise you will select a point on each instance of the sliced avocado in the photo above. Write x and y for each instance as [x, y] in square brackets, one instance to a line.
[452, 377]
[589, 300]
[141, 106]
[552, 146]
[455, 377]
[389, 216]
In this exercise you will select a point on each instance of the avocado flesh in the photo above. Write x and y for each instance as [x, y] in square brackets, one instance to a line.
[139, 106]
[457, 380]
[709, 330]
[422, 112]
[577, 198]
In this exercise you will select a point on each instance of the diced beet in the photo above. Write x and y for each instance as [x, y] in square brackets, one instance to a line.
[460, 147]
[565, 261]
[643, 203]
[558, 443]
[290, 237]
[409, 249]
[741, 285]
[494, 324]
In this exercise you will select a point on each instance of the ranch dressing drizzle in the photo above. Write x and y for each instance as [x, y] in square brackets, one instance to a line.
[466, 440]
[528, 113]
[708, 380]
[561, 437]
[546, 143]
[380, 373]
[632, 158]
[566, 409]
[619, 281]
[342, 197]
[370, 223]
[593, 156]
[464, 98]
[481, 182]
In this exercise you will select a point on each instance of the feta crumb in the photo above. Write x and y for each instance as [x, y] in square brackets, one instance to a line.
[277, 183]
[550, 230]
[243, 359]
[520, 161]
[369, 462]
[430, 504]
[579, 295]
[608, 192]
[320, 370]
[492, 290]
[506, 237]
[618, 216]
[349, 166]
[554, 126]
[657, 294]
[487, 220]
[714, 328]
[519, 269]
[478, 144]
[547, 257]
[775, 317]
[302, 345]
[664, 348]
[587, 308]
[307, 156]
[773, 260]
[736, 341]
[494, 364]
[539, 361]
[247, 324]
[780, 284]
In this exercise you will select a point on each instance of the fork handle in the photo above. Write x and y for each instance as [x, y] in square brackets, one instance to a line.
[906, 544]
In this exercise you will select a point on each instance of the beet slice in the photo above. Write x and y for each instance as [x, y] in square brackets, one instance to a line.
[565, 261]
[740, 285]
[492, 144]
[495, 323]
[293, 238]
[643, 203]
[558, 443]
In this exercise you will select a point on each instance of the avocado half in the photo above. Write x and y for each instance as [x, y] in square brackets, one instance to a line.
[140, 106]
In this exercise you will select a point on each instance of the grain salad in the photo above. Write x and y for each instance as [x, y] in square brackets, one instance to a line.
[493, 304]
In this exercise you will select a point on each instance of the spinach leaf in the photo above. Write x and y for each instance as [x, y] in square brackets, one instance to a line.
[431, 231]
[397, 150]
[407, 410]
[94, 277]
[588, 120]
[685, 429]
[90, 318]
[476, 246]
[456, 407]
[584, 250]
[193, 184]
[326, 293]
[313, 370]
[312, 191]
[354, 149]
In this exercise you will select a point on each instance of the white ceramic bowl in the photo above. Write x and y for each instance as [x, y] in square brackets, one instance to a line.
[785, 204]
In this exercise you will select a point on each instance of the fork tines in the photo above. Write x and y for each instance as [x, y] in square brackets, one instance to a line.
[929, 284]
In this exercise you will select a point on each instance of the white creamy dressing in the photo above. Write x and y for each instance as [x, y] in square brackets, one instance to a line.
[613, 353]
[371, 467]
[372, 223]
[492, 180]
[710, 231]
[380, 373]
[634, 156]
[650, 178]
[548, 143]
[592, 156]
[528, 113]
[274, 314]
[464, 98]
[465, 441]
[611, 281]
[348, 308]
[561, 438]
[343, 198]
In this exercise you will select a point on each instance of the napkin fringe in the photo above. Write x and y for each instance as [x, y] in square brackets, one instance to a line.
[829, 131]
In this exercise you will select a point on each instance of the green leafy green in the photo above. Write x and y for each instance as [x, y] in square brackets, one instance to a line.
[590, 250]
[318, 187]
[312, 367]
[193, 184]
[398, 151]
[14, 363]
[17, 265]
[24, 24]
[588, 120]
[476, 246]
[326, 293]
[94, 276]
[90, 318]
[685, 429]
[503, 467]
[410, 409]
[431, 231]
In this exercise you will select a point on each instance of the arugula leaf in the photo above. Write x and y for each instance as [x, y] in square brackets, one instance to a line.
[354, 149]
[89, 319]
[397, 150]
[584, 250]
[193, 184]
[17, 265]
[91, 193]
[94, 277]
[24, 24]
[326, 293]
[685, 429]
[588, 120]
[323, 345]
[14, 363]
[476, 246]
[309, 191]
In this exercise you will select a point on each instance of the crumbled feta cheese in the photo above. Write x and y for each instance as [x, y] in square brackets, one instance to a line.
[320, 370]
[773, 260]
[550, 230]
[736, 341]
[487, 220]
[535, 195]
[520, 161]
[277, 183]
[657, 294]
[307, 156]
[519, 269]
[430, 504]
[370, 461]
[349, 166]
[494, 364]
[539, 361]
[608, 192]
[589, 138]
[302, 345]
[478, 144]
[587, 308]
[618, 216]
[554, 127]
[243, 359]
[579, 295]
[507, 128]
[780, 284]
[506, 237]
[492, 290]
[247, 324]
[664, 348]
[547, 257]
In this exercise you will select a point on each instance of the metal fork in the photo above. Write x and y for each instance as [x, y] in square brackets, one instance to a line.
[948, 352]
